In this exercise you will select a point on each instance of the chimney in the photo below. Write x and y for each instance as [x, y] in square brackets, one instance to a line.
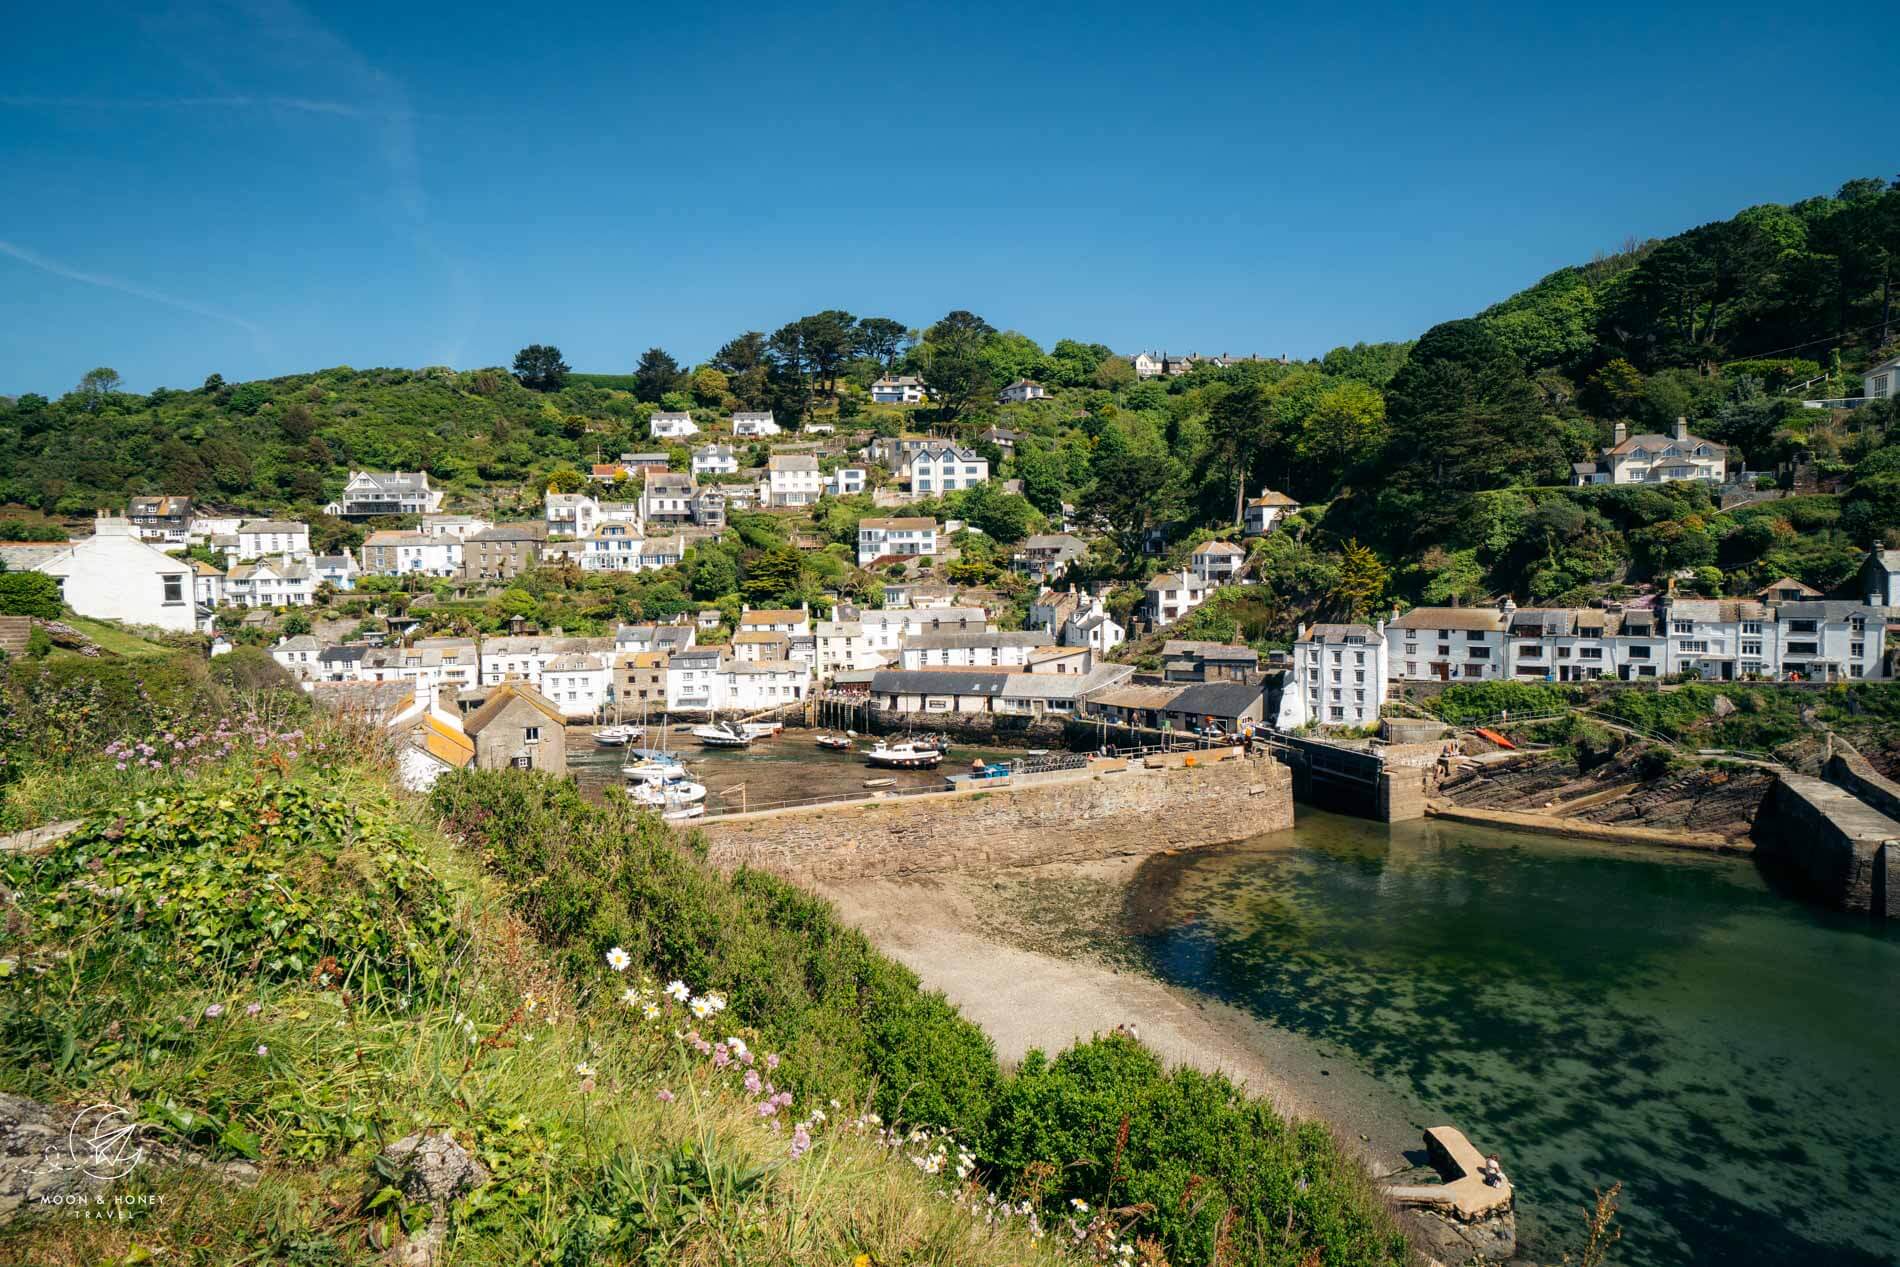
[1506, 606]
[1682, 429]
[1619, 433]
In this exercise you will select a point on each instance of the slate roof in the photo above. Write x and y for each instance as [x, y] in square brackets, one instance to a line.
[987, 682]
[1217, 699]
[499, 699]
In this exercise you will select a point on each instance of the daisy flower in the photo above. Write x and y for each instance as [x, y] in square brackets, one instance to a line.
[618, 959]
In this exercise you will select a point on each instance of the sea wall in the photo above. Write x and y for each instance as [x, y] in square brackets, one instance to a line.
[1113, 809]
[1829, 844]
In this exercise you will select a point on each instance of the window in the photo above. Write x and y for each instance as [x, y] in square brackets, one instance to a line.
[1682, 626]
[1699, 644]
[1478, 653]
[1637, 653]
[1751, 626]
[1589, 653]
[1751, 648]
[1474, 635]
[1857, 649]
[531, 734]
[174, 589]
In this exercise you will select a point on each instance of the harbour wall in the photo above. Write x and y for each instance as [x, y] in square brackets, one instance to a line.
[1830, 842]
[1113, 809]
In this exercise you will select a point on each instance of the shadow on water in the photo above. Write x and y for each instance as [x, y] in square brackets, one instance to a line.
[1593, 1013]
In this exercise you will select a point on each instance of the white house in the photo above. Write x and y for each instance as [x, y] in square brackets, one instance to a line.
[1340, 672]
[751, 686]
[1654, 459]
[614, 547]
[791, 479]
[1448, 644]
[112, 575]
[298, 656]
[1828, 641]
[411, 554]
[571, 514]
[1262, 512]
[715, 459]
[259, 537]
[1172, 595]
[847, 481]
[842, 646]
[672, 426]
[207, 585]
[945, 469]
[278, 582]
[784, 620]
[886, 630]
[1022, 391]
[693, 680]
[370, 493]
[1882, 381]
[667, 497]
[338, 570]
[1217, 562]
[1148, 365]
[902, 389]
[754, 424]
[578, 683]
[460, 527]
[979, 649]
[879, 538]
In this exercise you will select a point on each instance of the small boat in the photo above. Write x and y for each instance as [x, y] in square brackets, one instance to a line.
[617, 736]
[836, 743]
[880, 783]
[723, 734]
[659, 793]
[762, 729]
[929, 743]
[647, 763]
[1037, 752]
[682, 813]
[903, 756]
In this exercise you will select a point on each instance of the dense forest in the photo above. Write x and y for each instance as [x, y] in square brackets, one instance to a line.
[1432, 471]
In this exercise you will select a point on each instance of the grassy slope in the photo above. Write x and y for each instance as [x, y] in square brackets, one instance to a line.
[315, 1082]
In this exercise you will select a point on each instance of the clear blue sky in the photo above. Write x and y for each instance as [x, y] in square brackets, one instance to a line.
[255, 188]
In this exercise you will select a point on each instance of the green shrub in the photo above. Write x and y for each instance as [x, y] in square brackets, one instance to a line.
[267, 880]
[1479, 701]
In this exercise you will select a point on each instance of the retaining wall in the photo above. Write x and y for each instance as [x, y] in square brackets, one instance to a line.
[1116, 809]
[1830, 844]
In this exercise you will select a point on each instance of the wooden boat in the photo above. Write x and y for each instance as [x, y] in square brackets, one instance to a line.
[836, 743]
[903, 756]
[875, 783]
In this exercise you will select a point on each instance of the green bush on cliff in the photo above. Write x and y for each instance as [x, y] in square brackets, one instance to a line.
[850, 1022]
[1463, 704]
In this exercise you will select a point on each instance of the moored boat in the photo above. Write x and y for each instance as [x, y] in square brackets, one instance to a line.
[617, 736]
[903, 756]
[723, 734]
[836, 743]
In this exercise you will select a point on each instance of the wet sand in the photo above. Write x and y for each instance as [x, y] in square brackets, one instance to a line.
[1035, 957]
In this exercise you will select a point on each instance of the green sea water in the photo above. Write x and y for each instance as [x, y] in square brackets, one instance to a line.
[1593, 1013]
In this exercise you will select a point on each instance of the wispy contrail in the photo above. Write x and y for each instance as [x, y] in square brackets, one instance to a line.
[58, 269]
[310, 105]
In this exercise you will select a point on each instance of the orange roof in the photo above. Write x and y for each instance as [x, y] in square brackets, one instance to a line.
[446, 743]
[774, 616]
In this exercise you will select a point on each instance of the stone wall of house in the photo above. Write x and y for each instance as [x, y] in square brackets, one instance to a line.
[1115, 809]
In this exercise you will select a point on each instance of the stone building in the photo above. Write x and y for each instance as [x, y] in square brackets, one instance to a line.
[518, 726]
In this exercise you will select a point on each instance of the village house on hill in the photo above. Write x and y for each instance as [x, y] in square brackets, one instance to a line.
[1022, 391]
[899, 538]
[371, 493]
[1654, 459]
[754, 424]
[903, 389]
[672, 425]
[112, 575]
[1262, 512]
[166, 519]
[518, 726]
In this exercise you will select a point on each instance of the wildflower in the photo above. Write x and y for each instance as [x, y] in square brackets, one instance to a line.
[736, 1046]
[771, 1062]
[530, 1000]
[678, 990]
[1081, 1206]
[631, 997]
[752, 1083]
[801, 1141]
[618, 959]
[651, 1011]
[767, 1108]
[214, 1011]
[818, 1115]
[262, 1050]
[702, 1008]
[252, 1009]
[664, 1096]
[584, 1069]
[720, 1057]
[717, 1002]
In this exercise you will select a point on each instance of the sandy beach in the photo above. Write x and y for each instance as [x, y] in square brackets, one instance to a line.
[1035, 957]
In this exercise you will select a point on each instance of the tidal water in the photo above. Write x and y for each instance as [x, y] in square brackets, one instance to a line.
[1595, 1014]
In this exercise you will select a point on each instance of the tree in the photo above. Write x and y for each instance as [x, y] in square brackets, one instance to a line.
[881, 339]
[1362, 578]
[539, 367]
[710, 386]
[829, 338]
[296, 625]
[788, 372]
[656, 375]
[745, 363]
[1345, 428]
[1073, 364]
[955, 370]
[1237, 426]
[97, 387]
[565, 479]
[1136, 487]
[773, 576]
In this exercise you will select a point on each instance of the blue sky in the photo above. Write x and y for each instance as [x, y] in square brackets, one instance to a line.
[253, 188]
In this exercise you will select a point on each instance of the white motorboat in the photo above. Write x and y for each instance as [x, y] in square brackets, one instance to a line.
[660, 793]
[762, 729]
[617, 736]
[836, 743]
[723, 734]
[903, 756]
[648, 763]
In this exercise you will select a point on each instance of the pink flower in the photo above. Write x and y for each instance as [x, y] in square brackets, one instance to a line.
[767, 1108]
[253, 1009]
[664, 1096]
[801, 1141]
[771, 1060]
[752, 1083]
[720, 1058]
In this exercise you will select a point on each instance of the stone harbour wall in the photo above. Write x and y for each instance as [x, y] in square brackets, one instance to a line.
[1115, 809]
[1828, 843]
